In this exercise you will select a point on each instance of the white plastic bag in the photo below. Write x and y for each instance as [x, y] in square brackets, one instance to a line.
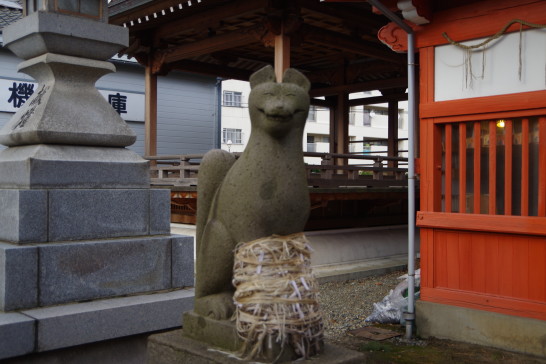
[390, 309]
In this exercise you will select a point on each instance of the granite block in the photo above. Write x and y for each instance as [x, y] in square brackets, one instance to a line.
[97, 269]
[69, 166]
[18, 277]
[173, 347]
[160, 211]
[76, 324]
[44, 32]
[95, 214]
[183, 263]
[16, 335]
[23, 216]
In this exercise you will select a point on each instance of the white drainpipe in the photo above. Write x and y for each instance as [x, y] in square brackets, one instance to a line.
[412, 106]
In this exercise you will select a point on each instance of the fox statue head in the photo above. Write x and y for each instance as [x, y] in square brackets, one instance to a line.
[278, 108]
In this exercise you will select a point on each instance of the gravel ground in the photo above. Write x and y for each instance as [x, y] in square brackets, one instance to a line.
[345, 305]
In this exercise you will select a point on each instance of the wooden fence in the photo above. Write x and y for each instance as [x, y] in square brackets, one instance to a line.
[333, 171]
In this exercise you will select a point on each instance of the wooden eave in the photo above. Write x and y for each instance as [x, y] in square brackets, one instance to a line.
[333, 44]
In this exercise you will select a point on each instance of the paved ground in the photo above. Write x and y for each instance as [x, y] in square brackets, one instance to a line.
[347, 304]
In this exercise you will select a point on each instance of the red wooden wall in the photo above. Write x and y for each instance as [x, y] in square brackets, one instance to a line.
[483, 189]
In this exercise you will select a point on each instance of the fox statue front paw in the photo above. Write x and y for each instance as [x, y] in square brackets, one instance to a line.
[218, 306]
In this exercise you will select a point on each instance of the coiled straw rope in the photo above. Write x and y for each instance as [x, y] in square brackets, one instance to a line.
[275, 296]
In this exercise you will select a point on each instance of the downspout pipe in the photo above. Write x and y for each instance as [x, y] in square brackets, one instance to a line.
[409, 315]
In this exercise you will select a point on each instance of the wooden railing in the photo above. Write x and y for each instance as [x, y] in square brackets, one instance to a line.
[374, 171]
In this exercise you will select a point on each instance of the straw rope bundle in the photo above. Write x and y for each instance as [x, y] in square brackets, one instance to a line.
[276, 295]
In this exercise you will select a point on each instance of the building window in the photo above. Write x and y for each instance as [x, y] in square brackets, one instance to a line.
[367, 120]
[312, 116]
[233, 135]
[232, 98]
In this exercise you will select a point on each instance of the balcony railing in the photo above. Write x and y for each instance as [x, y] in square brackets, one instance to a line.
[373, 171]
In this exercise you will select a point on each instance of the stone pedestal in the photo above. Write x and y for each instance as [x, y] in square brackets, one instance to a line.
[86, 253]
[175, 347]
[206, 340]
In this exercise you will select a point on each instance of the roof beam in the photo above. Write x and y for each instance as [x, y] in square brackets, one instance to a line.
[209, 45]
[144, 7]
[231, 9]
[377, 99]
[363, 86]
[345, 12]
[354, 71]
[349, 44]
[211, 70]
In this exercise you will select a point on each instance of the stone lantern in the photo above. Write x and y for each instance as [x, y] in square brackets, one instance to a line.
[74, 196]
[65, 44]
[93, 9]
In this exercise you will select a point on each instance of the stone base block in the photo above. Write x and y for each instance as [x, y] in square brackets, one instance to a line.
[39, 216]
[87, 270]
[23, 216]
[175, 348]
[16, 335]
[65, 326]
[105, 213]
[223, 335]
[216, 333]
[506, 332]
[44, 166]
[18, 277]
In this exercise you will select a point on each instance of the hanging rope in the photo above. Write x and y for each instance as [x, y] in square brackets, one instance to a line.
[468, 49]
[494, 36]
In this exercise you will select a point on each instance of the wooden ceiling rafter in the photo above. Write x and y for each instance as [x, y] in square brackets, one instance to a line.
[349, 44]
[206, 46]
[217, 14]
[212, 70]
[359, 87]
[157, 6]
[331, 44]
[352, 17]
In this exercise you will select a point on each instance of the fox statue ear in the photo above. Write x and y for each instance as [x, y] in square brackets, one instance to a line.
[266, 74]
[296, 77]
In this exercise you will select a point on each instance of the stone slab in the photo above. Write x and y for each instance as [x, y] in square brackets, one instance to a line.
[174, 347]
[70, 325]
[97, 269]
[183, 263]
[507, 332]
[42, 32]
[126, 350]
[66, 166]
[216, 333]
[95, 214]
[16, 335]
[18, 277]
[160, 211]
[23, 216]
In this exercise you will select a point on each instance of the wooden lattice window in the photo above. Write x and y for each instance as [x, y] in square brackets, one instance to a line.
[494, 166]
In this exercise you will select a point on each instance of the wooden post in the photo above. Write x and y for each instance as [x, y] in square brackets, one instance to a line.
[341, 125]
[392, 141]
[150, 124]
[282, 54]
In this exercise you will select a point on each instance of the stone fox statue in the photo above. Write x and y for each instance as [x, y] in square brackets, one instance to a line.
[263, 193]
